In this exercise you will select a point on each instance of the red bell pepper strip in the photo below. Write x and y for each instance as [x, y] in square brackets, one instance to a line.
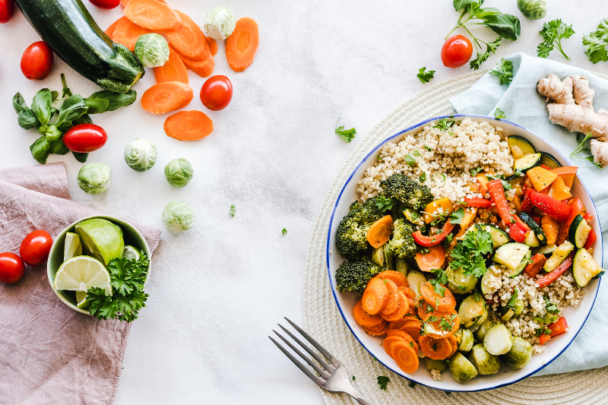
[546, 167]
[544, 338]
[526, 204]
[553, 207]
[588, 217]
[429, 241]
[516, 233]
[555, 274]
[521, 224]
[497, 193]
[558, 327]
[478, 202]
[590, 239]
[538, 261]
[576, 207]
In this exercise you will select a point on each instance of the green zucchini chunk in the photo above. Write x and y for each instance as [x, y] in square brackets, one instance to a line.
[527, 162]
[579, 232]
[538, 231]
[549, 160]
[584, 267]
[520, 144]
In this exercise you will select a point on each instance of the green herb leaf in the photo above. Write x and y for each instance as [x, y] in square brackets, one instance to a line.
[504, 71]
[491, 47]
[232, 210]
[422, 178]
[439, 281]
[40, 149]
[425, 76]
[499, 114]
[461, 4]
[427, 148]
[385, 204]
[475, 172]
[96, 106]
[72, 109]
[115, 100]
[383, 381]
[58, 148]
[444, 125]
[346, 134]
[513, 299]
[81, 157]
[410, 160]
[353, 378]
[27, 119]
[468, 255]
[66, 92]
[53, 134]
[550, 306]
[553, 32]
[596, 43]
[85, 119]
[411, 384]
[19, 103]
[457, 216]
[42, 106]
[505, 25]
[284, 231]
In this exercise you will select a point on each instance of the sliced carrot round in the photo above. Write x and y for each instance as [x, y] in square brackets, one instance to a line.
[375, 296]
[413, 329]
[242, 45]
[405, 357]
[174, 70]
[188, 126]
[165, 97]
[454, 342]
[388, 342]
[392, 303]
[433, 259]
[446, 303]
[212, 45]
[126, 33]
[424, 309]
[203, 68]
[403, 335]
[408, 292]
[110, 30]
[402, 310]
[394, 276]
[441, 325]
[380, 231]
[189, 39]
[364, 319]
[436, 349]
[379, 330]
[152, 15]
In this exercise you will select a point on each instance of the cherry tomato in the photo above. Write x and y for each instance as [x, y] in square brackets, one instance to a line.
[85, 138]
[37, 61]
[107, 4]
[456, 51]
[7, 8]
[216, 92]
[35, 248]
[11, 268]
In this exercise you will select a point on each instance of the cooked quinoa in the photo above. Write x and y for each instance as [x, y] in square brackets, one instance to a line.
[445, 158]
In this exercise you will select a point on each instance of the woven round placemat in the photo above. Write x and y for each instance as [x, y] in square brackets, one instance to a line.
[324, 322]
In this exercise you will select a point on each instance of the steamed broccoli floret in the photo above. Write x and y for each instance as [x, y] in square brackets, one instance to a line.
[402, 244]
[408, 191]
[354, 276]
[351, 237]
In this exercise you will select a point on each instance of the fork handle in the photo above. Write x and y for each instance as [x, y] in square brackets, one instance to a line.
[361, 400]
[350, 390]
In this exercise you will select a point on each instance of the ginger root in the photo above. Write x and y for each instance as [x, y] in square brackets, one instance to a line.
[572, 107]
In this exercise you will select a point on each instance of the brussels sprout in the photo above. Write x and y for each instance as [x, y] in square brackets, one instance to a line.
[178, 217]
[416, 280]
[94, 178]
[484, 362]
[219, 23]
[179, 172]
[440, 365]
[152, 50]
[498, 340]
[519, 355]
[480, 321]
[462, 369]
[458, 283]
[140, 155]
[400, 264]
[533, 9]
[480, 334]
[466, 339]
[471, 309]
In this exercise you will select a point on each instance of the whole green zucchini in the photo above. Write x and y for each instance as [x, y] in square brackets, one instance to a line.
[68, 28]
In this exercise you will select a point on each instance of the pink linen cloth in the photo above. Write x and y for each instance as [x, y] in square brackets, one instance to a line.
[50, 354]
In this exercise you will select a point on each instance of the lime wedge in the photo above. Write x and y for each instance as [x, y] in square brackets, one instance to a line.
[81, 300]
[130, 253]
[81, 273]
[72, 247]
[101, 238]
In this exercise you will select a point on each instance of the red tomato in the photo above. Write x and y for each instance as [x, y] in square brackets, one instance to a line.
[11, 268]
[107, 4]
[85, 138]
[37, 61]
[456, 51]
[35, 248]
[216, 92]
[7, 8]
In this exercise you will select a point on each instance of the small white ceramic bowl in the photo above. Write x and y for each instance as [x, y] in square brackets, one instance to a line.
[576, 317]
[131, 235]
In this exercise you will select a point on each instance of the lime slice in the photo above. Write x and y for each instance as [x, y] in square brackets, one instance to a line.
[81, 273]
[81, 299]
[72, 247]
[101, 239]
[130, 253]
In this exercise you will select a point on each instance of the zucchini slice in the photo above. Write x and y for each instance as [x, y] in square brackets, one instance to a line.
[519, 144]
[531, 240]
[378, 256]
[522, 265]
[416, 280]
[511, 255]
[527, 162]
[549, 161]
[584, 267]
[579, 232]
[559, 255]
[400, 265]
[546, 250]
[538, 231]
[499, 237]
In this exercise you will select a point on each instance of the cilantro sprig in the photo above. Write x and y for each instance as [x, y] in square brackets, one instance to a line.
[468, 255]
[383, 382]
[553, 32]
[596, 43]
[346, 134]
[550, 306]
[444, 125]
[499, 114]
[504, 71]
[425, 76]
[582, 147]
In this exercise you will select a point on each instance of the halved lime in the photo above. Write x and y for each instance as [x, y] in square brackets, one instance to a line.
[131, 253]
[101, 238]
[81, 300]
[72, 246]
[81, 273]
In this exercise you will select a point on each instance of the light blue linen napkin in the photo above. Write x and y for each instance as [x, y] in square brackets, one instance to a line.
[523, 105]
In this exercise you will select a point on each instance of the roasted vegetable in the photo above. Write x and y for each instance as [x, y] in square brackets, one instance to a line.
[409, 192]
[351, 236]
[354, 276]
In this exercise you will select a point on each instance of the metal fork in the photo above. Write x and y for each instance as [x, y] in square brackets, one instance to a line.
[334, 377]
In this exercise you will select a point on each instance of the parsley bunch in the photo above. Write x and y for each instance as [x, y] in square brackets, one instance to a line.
[553, 32]
[468, 255]
[596, 43]
[127, 279]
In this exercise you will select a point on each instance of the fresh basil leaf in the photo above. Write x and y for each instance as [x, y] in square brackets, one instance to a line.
[53, 134]
[97, 105]
[484, 12]
[19, 103]
[64, 126]
[41, 106]
[58, 148]
[505, 25]
[115, 100]
[81, 157]
[72, 109]
[85, 119]
[27, 119]
[54, 95]
[461, 4]
[40, 149]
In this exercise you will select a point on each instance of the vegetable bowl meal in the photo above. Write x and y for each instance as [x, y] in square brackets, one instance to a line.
[468, 248]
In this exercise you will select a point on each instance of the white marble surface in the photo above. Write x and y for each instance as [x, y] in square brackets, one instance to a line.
[218, 290]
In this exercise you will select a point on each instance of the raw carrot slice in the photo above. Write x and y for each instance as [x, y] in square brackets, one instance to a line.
[152, 15]
[394, 276]
[392, 304]
[173, 70]
[436, 349]
[400, 312]
[433, 259]
[404, 355]
[379, 330]
[242, 45]
[203, 68]
[126, 33]
[124, 3]
[447, 303]
[188, 126]
[164, 97]
[380, 231]
[189, 39]
[375, 296]
[363, 319]
[110, 30]
[212, 45]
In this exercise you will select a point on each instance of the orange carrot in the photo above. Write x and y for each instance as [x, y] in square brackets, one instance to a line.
[189, 39]
[398, 324]
[152, 15]
[126, 33]
[378, 330]
[402, 310]
[172, 71]
[454, 343]
[412, 304]
[375, 296]
[188, 126]
[124, 3]
[441, 325]
[408, 292]
[388, 342]
[242, 45]
[164, 97]
[551, 228]
[203, 68]
[436, 349]
[447, 303]
[404, 355]
[434, 259]
[212, 45]
[110, 30]
[363, 319]
[400, 333]
[380, 231]
[394, 276]
[413, 329]
[392, 304]
[424, 309]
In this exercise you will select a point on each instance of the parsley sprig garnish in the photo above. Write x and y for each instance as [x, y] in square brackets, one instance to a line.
[499, 114]
[425, 76]
[468, 255]
[444, 125]
[439, 281]
[512, 301]
[553, 32]
[504, 71]
[385, 204]
[383, 382]
[346, 134]
[582, 147]
[596, 43]
[550, 306]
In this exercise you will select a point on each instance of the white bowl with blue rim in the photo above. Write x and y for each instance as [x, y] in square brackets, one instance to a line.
[575, 316]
